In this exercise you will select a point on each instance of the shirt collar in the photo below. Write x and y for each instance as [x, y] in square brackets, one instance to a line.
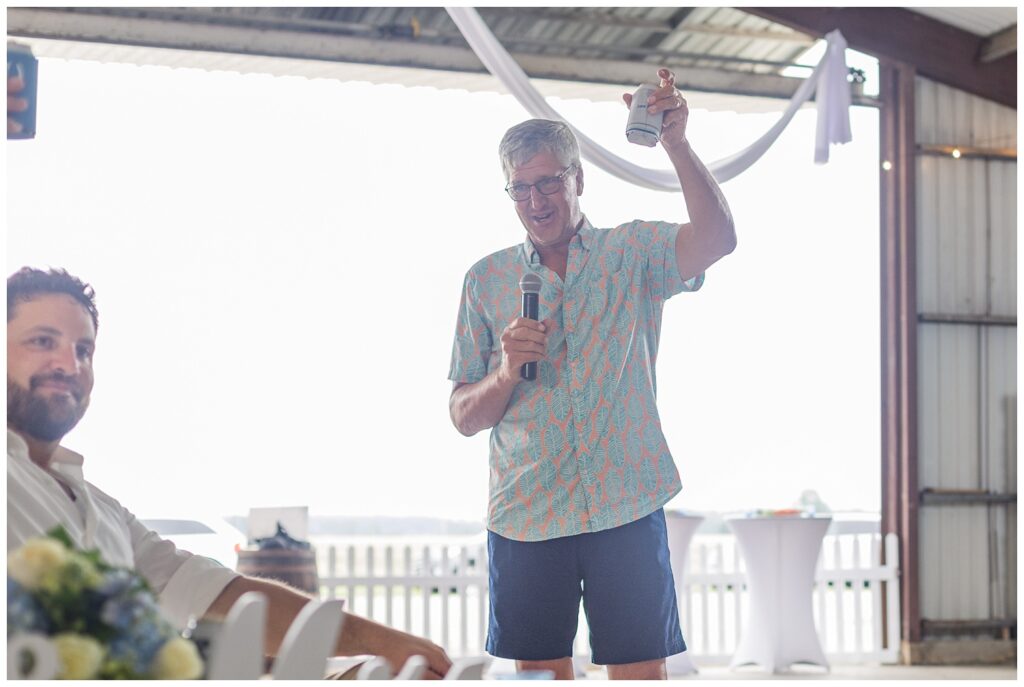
[585, 234]
[65, 461]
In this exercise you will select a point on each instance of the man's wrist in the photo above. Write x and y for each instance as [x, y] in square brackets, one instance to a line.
[680, 147]
[507, 378]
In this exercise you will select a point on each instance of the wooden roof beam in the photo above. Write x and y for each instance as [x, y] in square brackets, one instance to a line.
[938, 51]
[999, 45]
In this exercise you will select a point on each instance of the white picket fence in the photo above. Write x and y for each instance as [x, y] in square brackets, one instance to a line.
[440, 591]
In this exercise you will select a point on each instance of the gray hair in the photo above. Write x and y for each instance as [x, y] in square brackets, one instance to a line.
[525, 140]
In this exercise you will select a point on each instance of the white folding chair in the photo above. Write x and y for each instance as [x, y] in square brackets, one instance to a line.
[236, 652]
[413, 669]
[376, 668]
[309, 641]
[469, 668]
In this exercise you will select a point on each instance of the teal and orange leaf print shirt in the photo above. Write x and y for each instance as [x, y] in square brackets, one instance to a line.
[579, 449]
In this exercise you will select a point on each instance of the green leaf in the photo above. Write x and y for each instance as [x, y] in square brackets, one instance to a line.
[619, 414]
[559, 405]
[560, 502]
[554, 441]
[652, 437]
[61, 535]
[635, 409]
[547, 373]
[547, 475]
[648, 477]
[613, 485]
[568, 470]
[616, 452]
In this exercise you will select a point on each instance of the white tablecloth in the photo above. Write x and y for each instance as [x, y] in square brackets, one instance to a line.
[781, 555]
[680, 531]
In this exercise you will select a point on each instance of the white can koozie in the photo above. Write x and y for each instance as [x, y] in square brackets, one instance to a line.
[643, 128]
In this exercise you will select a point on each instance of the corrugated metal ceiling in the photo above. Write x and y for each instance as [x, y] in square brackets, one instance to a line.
[720, 50]
[588, 49]
[981, 21]
[719, 37]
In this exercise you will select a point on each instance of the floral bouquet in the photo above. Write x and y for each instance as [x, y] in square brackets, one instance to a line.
[103, 621]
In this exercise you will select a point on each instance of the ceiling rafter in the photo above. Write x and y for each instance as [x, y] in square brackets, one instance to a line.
[937, 51]
[999, 45]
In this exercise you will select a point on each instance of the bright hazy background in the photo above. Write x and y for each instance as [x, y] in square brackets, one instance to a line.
[278, 263]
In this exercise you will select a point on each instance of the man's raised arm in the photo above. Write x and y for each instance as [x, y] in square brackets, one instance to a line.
[710, 233]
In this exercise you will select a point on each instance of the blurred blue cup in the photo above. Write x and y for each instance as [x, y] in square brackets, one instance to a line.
[21, 62]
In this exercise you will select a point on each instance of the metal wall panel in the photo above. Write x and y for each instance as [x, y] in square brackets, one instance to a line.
[954, 563]
[954, 552]
[952, 209]
[1011, 515]
[1002, 178]
[947, 404]
[992, 125]
[1001, 392]
[999, 461]
[948, 116]
[966, 266]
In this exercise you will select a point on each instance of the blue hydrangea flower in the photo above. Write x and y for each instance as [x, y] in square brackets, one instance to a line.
[115, 582]
[139, 643]
[124, 606]
[23, 613]
[121, 613]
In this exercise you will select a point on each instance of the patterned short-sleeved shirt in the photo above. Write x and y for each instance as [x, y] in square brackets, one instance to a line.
[580, 449]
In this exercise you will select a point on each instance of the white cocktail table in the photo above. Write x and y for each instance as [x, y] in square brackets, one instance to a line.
[681, 529]
[781, 556]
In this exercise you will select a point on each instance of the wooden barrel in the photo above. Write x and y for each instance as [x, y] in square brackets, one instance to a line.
[295, 567]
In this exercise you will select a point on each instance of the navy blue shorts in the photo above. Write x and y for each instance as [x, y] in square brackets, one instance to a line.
[623, 576]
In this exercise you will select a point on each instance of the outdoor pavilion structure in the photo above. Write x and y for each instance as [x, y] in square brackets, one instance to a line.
[947, 96]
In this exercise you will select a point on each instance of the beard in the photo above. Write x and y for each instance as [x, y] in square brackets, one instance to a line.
[45, 419]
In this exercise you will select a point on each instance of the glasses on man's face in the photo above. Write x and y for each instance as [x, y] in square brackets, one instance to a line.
[546, 186]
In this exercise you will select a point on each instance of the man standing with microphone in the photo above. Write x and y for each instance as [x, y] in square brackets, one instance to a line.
[579, 467]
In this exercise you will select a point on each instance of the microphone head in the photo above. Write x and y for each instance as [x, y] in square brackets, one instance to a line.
[530, 283]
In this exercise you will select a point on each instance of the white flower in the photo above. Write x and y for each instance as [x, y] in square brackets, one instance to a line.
[34, 560]
[79, 656]
[178, 659]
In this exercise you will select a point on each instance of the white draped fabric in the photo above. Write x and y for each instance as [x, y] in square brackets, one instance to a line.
[829, 77]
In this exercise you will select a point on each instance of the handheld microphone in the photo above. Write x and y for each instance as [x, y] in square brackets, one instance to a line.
[530, 286]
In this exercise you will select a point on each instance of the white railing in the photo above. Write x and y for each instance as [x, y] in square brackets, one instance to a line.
[440, 591]
[434, 590]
